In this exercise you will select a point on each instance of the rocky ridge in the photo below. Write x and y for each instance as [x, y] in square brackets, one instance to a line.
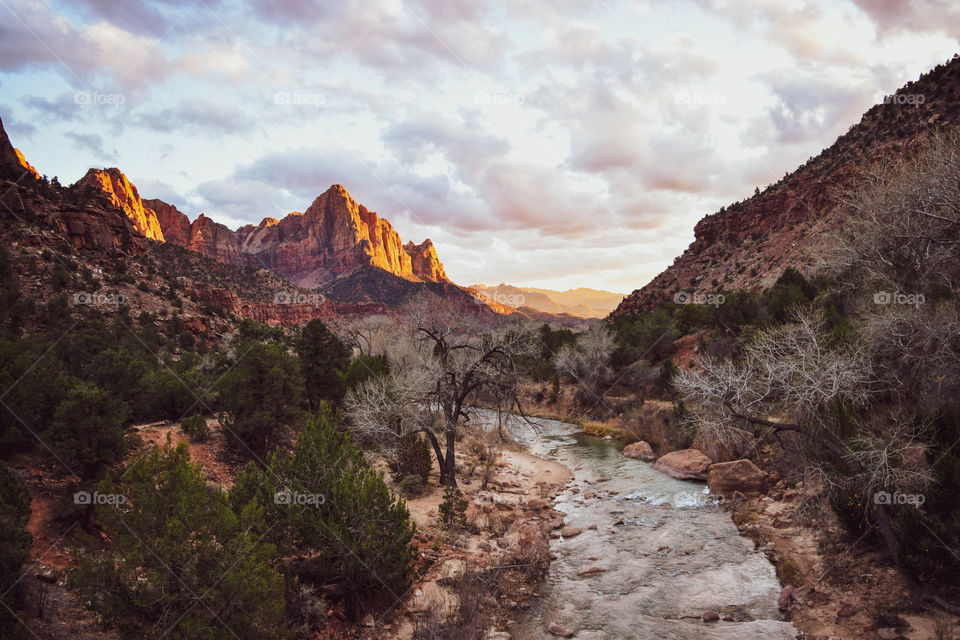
[747, 245]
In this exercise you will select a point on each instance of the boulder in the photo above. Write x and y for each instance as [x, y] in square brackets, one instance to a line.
[569, 532]
[536, 504]
[556, 630]
[739, 475]
[640, 450]
[686, 464]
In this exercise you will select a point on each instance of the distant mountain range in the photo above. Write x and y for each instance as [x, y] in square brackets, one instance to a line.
[579, 303]
[336, 247]
[747, 245]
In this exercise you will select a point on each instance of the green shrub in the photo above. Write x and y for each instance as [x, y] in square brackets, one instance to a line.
[196, 428]
[14, 513]
[453, 510]
[411, 485]
[414, 457]
[356, 533]
[181, 560]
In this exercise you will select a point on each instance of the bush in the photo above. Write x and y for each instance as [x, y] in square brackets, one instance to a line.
[411, 485]
[414, 457]
[196, 428]
[87, 430]
[453, 510]
[222, 587]
[260, 394]
[357, 534]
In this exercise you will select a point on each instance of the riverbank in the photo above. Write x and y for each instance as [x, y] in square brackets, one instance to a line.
[503, 549]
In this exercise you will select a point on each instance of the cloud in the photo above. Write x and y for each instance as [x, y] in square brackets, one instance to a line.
[194, 116]
[917, 16]
[33, 36]
[93, 143]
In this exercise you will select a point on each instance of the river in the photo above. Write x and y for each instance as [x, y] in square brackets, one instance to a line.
[669, 551]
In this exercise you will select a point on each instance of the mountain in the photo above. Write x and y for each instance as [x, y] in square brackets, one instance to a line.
[747, 245]
[334, 237]
[337, 255]
[579, 303]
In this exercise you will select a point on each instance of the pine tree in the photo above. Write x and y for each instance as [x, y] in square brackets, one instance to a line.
[183, 562]
[333, 514]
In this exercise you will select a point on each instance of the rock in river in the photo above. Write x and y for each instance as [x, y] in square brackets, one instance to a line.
[686, 464]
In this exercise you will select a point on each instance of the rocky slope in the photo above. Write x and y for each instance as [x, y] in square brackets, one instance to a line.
[747, 245]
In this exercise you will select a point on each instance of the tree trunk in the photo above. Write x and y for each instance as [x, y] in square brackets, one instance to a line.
[451, 479]
[441, 463]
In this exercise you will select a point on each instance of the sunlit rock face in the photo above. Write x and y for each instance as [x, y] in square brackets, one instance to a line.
[11, 160]
[124, 195]
[334, 236]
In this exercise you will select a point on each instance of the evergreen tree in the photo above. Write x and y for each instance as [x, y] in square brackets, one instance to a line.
[87, 430]
[184, 565]
[259, 394]
[333, 514]
[325, 361]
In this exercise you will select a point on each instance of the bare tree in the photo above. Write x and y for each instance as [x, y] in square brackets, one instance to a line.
[588, 360]
[901, 221]
[445, 359]
[794, 379]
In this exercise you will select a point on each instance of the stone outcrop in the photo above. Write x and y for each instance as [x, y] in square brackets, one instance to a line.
[686, 464]
[738, 475]
[121, 193]
[174, 224]
[424, 262]
[640, 450]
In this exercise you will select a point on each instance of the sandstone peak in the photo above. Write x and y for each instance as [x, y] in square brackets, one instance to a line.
[11, 160]
[124, 195]
[333, 237]
[26, 165]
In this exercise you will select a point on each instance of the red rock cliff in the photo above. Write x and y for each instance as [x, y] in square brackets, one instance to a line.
[124, 195]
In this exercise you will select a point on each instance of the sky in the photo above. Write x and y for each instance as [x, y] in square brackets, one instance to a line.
[553, 143]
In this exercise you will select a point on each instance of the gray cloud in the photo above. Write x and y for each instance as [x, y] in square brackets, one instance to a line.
[93, 143]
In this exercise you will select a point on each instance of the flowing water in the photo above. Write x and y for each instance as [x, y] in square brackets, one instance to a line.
[669, 551]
